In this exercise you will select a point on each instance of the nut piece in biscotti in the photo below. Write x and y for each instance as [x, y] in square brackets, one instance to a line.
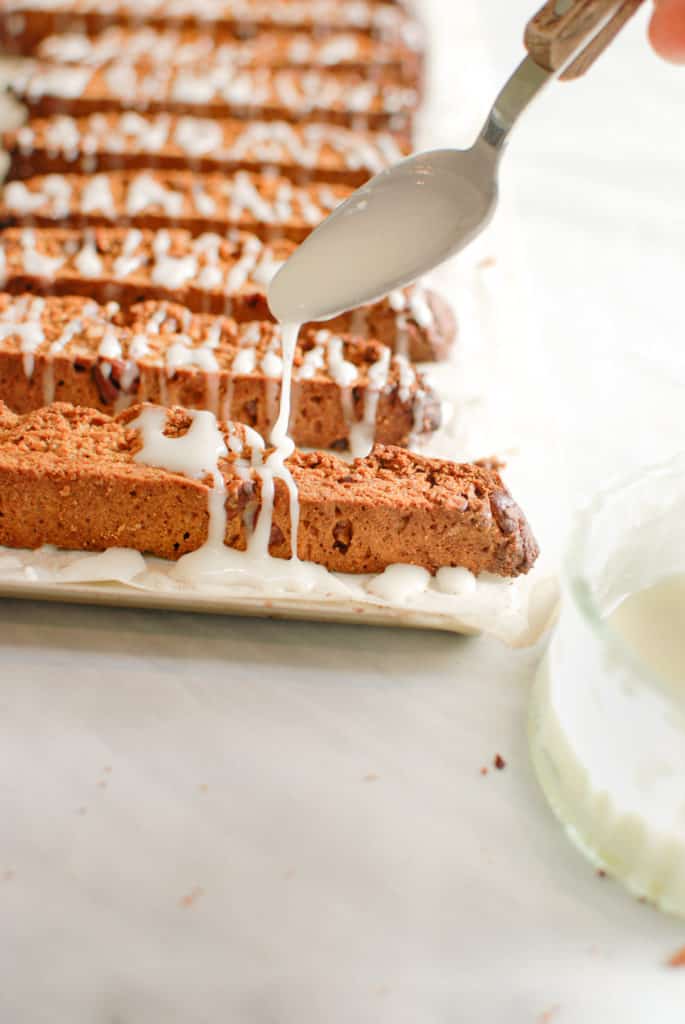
[214, 274]
[132, 141]
[264, 94]
[262, 204]
[348, 51]
[25, 23]
[346, 390]
[69, 477]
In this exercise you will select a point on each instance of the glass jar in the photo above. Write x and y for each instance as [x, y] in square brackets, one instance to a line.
[607, 726]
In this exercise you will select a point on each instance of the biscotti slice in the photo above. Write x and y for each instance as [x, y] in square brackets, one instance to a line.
[215, 91]
[130, 141]
[210, 274]
[78, 479]
[25, 22]
[264, 205]
[346, 392]
[347, 51]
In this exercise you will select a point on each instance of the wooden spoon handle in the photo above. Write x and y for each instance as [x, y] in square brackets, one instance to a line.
[560, 27]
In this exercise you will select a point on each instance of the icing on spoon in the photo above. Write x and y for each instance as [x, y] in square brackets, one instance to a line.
[413, 216]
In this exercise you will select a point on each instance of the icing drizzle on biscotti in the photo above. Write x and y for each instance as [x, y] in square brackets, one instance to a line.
[291, 94]
[151, 46]
[154, 352]
[302, 152]
[219, 274]
[243, 17]
[266, 204]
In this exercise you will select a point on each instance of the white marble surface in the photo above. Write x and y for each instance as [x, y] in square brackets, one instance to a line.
[213, 820]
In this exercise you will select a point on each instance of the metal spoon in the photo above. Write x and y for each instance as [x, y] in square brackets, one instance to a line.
[413, 216]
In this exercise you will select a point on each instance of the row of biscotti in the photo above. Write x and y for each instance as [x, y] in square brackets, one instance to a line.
[393, 506]
[216, 91]
[209, 273]
[263, 204]
[301, 152]
[348, 51]
[26, 22]
[347, 392]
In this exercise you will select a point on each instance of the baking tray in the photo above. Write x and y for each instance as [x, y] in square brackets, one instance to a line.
[515, 612]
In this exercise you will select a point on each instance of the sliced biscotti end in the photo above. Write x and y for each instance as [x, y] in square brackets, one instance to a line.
[416, 322]
[350, 51]
[337, 97]
[131, 140]
[25, 23]
[454, 513]
[70, 477]
[267, 205]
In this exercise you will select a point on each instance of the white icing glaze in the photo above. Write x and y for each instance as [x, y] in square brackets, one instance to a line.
[387, 21]
[110, 346]
[164, 47]
[244, 362]
[63, 82]
[171, 272]
[131, 258]
[194, 454]
[30, 336]
[362, 434]
[139, 347]
[455, 580]
[88, 262]
[198, 136]
[272, 365]
[341, 370]
[97, 197]
[261, 142]
[399, 583]
[22, 200]
[181, 355]
[35, 263]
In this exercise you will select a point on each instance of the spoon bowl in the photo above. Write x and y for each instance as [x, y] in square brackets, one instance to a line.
[389, 232]
[410, 218]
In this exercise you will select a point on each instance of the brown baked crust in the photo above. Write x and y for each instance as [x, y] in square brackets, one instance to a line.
[349, 51]
[23, 25]
[51, 261]
[292, 95]
[106, 359]
[268, 206]
[132, 141]
[393, 506]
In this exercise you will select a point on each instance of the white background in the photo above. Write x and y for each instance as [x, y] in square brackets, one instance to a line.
[214, 820]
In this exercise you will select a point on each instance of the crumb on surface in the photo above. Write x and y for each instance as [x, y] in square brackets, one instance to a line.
[82, 811]
[203, 787]
[547, 1016]
[484, 770]
[499, 762]
[191, 898]
[678, 958]
[601, 873]
[102, 783]
[371, 777]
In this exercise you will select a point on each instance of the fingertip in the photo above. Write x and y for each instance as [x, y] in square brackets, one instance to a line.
[667, 30]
